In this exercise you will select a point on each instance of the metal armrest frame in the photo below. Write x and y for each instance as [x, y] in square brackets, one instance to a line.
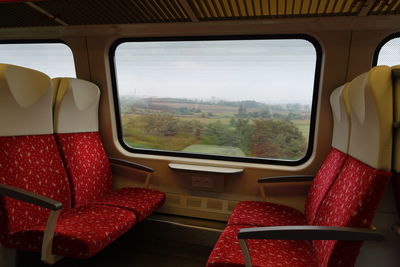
[136, 166]
[282, 179]
[304, 232]
[38, 200]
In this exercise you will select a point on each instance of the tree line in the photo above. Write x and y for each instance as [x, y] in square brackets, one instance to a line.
[266, 138]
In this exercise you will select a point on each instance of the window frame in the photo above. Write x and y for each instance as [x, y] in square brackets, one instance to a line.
[381, 44]
[41, 41]
[314, 101]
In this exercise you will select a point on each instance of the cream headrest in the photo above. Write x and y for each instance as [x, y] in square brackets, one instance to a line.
[76, 107]
[56, 84]
[26, 98]
[341, 120]
[371, 115]
[396, 97]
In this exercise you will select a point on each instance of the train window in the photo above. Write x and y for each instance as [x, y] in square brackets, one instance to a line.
[388, 51]
[249, 100]
[53, 58]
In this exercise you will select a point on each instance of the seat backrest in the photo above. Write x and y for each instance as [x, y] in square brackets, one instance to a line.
[76, 130]
[333, 162]
[354, 196]
[29, 158]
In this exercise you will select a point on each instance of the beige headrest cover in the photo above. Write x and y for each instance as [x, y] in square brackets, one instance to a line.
[76, 108]
[26, 98]
[371, 115]
[341, 118]
[396, 96]
[56, 84]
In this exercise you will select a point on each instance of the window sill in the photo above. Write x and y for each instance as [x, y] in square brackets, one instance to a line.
[203, 168]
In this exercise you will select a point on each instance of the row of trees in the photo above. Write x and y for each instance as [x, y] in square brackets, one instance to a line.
[246, 109]
[270, 138]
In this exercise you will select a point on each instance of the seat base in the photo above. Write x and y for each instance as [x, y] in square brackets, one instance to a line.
[263, 253]
[142, 201]
[80, 233]
[259, 213]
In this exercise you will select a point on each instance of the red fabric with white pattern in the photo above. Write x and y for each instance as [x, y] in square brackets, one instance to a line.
[34, 164]
[326, 175]
[142, 201]
[263, 253]
[80, 232]
[352, 202]
[87, 166]
[265, 214]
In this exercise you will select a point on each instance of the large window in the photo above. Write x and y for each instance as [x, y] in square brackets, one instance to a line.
[388, 51]
[54, 59]
[235, 99]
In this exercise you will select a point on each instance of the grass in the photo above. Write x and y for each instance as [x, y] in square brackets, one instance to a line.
[303, 126]
[136, 136]
[213, 149]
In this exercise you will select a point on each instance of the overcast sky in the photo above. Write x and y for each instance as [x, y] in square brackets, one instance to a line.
[54, 59]
[390, 53]
[269, 71]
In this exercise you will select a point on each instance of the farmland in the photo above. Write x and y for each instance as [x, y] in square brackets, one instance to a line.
[245, 128]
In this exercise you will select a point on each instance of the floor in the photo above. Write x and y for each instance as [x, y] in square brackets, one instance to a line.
[148, 244]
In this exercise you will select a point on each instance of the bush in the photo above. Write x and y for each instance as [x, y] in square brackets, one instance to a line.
[277, 139]
[160, 124]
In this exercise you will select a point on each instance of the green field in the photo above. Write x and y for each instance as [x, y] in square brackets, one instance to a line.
[213, 129]
[304, 127]
[216, 150]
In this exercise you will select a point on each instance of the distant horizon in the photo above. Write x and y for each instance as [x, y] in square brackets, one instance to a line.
[211, 99]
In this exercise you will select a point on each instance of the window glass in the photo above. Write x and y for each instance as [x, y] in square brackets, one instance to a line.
[389, 53]
[54, 59]
[230, 98]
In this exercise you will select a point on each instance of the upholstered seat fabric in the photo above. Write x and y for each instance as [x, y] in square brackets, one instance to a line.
[89, 171]
[31, 163]
[83, 154]
[87, 166]
[270, 214]
[264, 253]
[265, 214]
[326, 175]
[142, 201]
[80, 232]
[351, 202]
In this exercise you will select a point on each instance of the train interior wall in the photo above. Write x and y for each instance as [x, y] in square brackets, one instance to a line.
[347, 52]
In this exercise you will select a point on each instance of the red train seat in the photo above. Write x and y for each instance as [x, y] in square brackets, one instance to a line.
[86, 162]
[35, 197]
[347, 201]
[270, 214]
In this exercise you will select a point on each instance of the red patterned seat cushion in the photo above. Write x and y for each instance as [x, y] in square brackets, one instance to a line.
[80, 232]
[87, 166]
[263, 253]
[142, 201]
[32, 163]
[265, 214]
[326, 175]
[352, 202]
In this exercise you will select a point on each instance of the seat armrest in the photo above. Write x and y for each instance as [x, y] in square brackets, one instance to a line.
[303, 232]
[286, 179]
[29, 197]
[307, 232]
[131, 165]
[35, 199]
